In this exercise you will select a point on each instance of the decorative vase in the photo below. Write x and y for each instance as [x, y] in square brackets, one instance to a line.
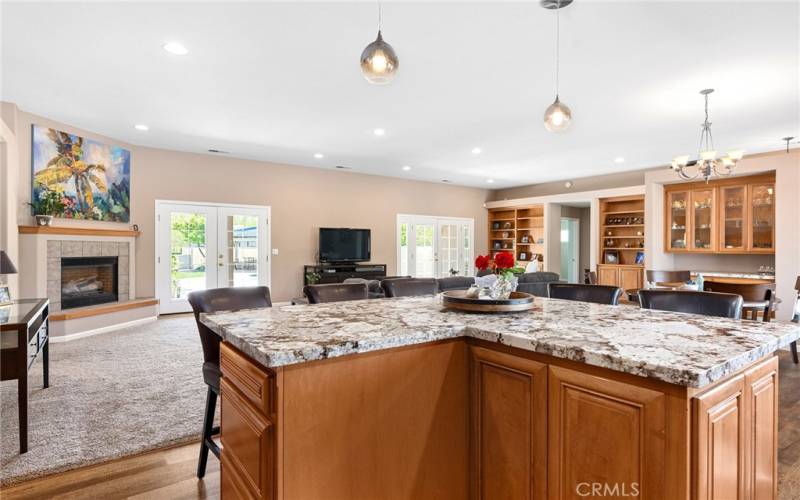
[44, 220]
[503, 286]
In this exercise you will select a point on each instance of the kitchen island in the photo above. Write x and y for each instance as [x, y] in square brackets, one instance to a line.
[398, 398]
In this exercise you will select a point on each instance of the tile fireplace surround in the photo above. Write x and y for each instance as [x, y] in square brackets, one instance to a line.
[58, 249]
[41, 254]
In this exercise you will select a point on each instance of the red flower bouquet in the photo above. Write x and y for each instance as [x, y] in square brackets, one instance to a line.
[503, 262]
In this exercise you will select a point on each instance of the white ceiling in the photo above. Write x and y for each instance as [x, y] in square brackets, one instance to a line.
[281, 81]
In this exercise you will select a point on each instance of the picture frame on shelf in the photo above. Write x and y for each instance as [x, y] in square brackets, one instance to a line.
[495, 225]
[639, 258]
[496, 245]
[523, 256]
[525, 238]
[611, 257]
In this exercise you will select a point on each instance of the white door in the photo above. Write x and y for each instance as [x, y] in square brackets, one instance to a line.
[570, 249]
[202, 246]
[434, 247]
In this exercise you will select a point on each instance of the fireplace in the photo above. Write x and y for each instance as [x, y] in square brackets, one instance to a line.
[86, 281]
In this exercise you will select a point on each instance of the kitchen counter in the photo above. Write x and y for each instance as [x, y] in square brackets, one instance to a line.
[682, 349]
[743, 276]
[399, 398]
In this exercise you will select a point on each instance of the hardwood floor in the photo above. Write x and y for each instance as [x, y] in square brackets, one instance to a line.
[170, 473]
[167, 474]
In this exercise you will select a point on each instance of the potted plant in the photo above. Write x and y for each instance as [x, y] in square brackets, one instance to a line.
[503, 266]
[48, 204]
[312, 278]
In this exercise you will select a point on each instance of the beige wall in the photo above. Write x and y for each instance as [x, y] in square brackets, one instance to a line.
[595, 183]
[302, 200]
[9, 198]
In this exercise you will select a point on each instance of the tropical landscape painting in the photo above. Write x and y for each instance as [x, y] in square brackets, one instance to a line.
[88, 179]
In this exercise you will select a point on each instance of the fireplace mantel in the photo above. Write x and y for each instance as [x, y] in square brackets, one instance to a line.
[78, 231]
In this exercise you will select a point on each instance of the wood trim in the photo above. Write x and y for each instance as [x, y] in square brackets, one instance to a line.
[78, 231]
[730, 181]
[102, 309]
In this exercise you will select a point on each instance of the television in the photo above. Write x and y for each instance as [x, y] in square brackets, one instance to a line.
[344, 245]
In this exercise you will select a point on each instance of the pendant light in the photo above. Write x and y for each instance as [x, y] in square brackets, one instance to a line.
[379, 63]
[557, 116]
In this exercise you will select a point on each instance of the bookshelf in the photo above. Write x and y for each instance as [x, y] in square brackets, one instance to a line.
[622, 254]
[519, 230]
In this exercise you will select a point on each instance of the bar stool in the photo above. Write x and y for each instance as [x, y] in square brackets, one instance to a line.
[598, 294]
[725, 305]
[757, 297]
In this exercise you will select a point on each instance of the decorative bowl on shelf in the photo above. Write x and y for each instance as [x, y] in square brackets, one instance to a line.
[458, 299]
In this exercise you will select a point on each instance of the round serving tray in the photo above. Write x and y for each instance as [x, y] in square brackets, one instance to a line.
[457, 299]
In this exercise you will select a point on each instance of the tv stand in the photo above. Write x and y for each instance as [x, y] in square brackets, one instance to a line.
[337, 273]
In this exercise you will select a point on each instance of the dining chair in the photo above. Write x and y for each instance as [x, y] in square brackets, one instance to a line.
[214, 300]
[757, 297]
[668, 277]
[726, 305]
[589, 277]
[409, 287]
[598, 294]
[336, 292]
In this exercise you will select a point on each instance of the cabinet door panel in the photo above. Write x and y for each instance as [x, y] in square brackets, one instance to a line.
[703, 221]
[604, 434]
[630, 278]
[607, 276]
[508, 426]
[719, 442]
[761, 397]
[733, 220]
[762, 218]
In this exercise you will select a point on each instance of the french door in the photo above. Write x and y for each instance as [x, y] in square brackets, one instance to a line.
[202, 246]
[434, 247]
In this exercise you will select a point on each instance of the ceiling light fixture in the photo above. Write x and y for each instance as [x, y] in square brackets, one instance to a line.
[568, 184]
[707, 164]
[319, 156]
[406, 168]
[557, 116]
[379, 132]
[476, 151]
[176, 48]
[619, 159]
[379, 62]
[142, 127]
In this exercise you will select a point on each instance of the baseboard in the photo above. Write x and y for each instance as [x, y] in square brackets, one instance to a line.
[105, 329]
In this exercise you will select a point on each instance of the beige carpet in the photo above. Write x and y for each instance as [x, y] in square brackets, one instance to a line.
[110, 395]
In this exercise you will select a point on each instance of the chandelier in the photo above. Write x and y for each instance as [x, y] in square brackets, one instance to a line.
[707, 165]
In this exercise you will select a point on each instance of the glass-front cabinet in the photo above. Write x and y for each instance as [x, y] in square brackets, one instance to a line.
[733, 218]
[702, 220]
[724, 216]
[678, 220]
[762, 218]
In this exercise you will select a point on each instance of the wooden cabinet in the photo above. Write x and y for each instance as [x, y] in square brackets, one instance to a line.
[518, 230]
[508, 418]
[625, 277]
[247, 431]
[604, 431]
[725, 216]
[735, 433]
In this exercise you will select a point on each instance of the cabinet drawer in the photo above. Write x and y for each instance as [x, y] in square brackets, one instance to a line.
[252, 381]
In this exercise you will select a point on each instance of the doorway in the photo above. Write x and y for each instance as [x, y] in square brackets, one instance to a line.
[203, 246]
[570, 248]
[434, 247]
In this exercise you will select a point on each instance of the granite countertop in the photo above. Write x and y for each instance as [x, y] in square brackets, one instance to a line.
[726, 274]
[682, 349]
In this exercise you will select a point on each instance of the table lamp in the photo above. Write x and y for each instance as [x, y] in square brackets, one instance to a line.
[6, 267]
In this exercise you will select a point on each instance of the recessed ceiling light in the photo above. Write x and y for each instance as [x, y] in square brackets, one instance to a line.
[319, 156]
[568, 184]
[489, 181]
[143, 128]
[176, 48]
[379, 132]
[406, 168]
[476, 151]
[619, 159]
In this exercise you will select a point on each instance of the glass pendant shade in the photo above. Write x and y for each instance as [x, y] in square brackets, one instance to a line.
[557, 116]
[379, 63]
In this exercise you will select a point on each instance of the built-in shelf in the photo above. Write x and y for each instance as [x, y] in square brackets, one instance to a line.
[525, 221]
[78, 231]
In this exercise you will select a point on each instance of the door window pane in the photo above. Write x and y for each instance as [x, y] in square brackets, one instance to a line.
[241, 252]
[423, 251]
[187, 253]
[404, 250]
[448, 250]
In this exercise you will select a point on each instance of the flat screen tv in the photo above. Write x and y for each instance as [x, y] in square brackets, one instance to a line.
[344, 245]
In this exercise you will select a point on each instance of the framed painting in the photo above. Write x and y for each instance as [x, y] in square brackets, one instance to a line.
[78, 178]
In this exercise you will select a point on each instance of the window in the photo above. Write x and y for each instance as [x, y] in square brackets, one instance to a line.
[434, 247]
